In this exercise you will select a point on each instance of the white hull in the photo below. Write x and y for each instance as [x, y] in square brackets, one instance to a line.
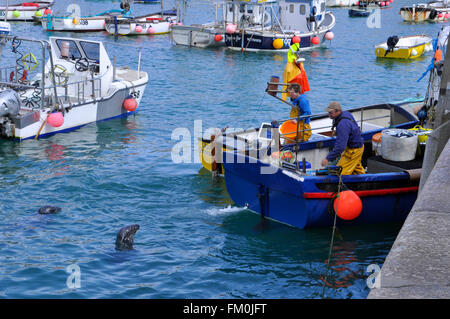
[24, 13]
[80, 115]
[139, 27]
[341, 3]
[67, 24]
[433, 11]
[198, 36]
[79, 82]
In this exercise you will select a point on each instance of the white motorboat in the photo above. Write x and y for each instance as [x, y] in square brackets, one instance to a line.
[211, 34]
[79, 24]
[77, 85]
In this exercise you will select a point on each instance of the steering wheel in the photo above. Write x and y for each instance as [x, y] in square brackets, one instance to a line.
[60, 73]
[82, 64]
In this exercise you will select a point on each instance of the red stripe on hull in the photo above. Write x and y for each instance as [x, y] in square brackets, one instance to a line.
[375, 192]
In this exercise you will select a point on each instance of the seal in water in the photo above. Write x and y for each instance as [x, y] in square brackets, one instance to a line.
[125, 237]
[45, 210]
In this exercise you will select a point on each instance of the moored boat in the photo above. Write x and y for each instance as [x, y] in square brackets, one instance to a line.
[409, 47]
[359, 12]
[379, 4]
[436, 11]
[341, 3]
[206, 35]
[152, 23]
[77, 85]
[25, 11]
[372, 118]
[270, 25]
[72, 23]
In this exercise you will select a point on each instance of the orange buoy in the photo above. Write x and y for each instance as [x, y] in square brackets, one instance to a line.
[437, 56]
[218, 37]
[130, 104]
[315, 40]
[347, 205]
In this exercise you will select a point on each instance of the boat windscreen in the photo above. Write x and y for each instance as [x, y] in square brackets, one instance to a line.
[91, 50]
[73, 52]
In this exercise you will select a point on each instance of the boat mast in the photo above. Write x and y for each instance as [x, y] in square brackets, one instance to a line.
[6, 10]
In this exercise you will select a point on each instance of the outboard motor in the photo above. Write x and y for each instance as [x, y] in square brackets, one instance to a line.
[9, 103]
[391, 43]
[9, 108]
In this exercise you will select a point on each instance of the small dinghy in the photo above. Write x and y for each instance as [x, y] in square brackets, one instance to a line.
[363, 12]
[153, 23]
[410, 47]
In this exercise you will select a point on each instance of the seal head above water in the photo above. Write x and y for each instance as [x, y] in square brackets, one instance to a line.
[46, 210]
[125, 237]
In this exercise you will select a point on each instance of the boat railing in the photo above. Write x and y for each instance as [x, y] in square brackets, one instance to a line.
[302, 130]
[79, 92]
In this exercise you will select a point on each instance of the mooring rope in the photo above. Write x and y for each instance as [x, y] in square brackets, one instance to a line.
[332, 233]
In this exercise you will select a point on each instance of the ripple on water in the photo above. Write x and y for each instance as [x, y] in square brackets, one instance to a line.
[193, 242]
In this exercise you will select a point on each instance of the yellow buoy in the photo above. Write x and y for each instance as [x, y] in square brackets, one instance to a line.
[277, 44]
[75, 21]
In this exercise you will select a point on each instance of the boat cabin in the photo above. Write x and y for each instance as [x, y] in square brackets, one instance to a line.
[80, 61]
[249, 13]
[304, 15]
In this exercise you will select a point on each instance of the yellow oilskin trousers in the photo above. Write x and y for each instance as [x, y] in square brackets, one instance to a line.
[351, 161]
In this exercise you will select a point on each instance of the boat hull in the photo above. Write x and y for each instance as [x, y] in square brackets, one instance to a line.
[254, 40]
[67, 24]
[198, 36]
[34, 124]
[358, 13]
[414, 15]
[131, 27]
[297, 201]
[25, 12]
[412, 51]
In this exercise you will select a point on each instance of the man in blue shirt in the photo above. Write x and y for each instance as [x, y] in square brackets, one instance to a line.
[301, 105]
[349, 143]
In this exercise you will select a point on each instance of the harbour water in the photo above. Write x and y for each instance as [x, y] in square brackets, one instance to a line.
[193, 242]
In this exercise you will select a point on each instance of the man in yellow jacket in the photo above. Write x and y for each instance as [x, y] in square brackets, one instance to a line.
[294, 71]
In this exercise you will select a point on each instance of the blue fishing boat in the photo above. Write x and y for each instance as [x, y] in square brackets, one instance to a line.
[301, 193]
[270, 25]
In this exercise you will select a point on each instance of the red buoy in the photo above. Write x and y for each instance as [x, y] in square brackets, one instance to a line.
[218, 37]
[130, 104]
[296, 39]
[347, 205]
[315, 40]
